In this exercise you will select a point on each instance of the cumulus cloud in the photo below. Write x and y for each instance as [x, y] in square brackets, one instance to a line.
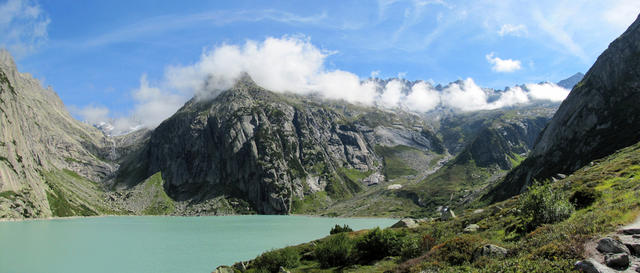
[503, 65]
[515, 30]
[23, 26]
[294, 65]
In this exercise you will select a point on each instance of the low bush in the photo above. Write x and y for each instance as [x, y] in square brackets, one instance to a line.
[377, 244]
[337, 250]
[456, 251]
[339, 229]
[271, 261]
[542, 204]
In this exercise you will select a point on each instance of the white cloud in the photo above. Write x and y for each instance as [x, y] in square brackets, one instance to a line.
[23, 26]
[422, 98]
[547, 91]
[515, 30]
[503, 65]
[91, 114]
[153, 104]
[392, 94]
[294, 65]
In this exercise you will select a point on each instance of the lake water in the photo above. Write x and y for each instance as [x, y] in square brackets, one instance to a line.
[155, 243]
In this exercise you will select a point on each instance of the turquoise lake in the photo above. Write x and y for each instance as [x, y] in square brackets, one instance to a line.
[155, 243]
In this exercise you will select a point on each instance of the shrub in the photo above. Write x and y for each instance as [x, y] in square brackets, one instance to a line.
[410, 247]
[337, 250]
[377, 244]
[543, 205]
[339, 229]
[456, 251]
[584, 197]
[271, 261]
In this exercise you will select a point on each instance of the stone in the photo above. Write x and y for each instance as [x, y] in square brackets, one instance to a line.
[592, 266]
[631, 231]
[618, 261]
[471, 228]
[405, 223]
[490, 250]
[610, 245]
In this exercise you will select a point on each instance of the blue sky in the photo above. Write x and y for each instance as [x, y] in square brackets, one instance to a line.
[97, 53]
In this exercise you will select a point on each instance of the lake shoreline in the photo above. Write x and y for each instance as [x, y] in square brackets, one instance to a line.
[129, 215]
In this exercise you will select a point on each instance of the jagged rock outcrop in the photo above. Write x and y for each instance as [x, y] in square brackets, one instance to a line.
[37, 137]
[599, 116]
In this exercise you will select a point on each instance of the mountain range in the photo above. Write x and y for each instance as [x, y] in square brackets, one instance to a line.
[250, 150]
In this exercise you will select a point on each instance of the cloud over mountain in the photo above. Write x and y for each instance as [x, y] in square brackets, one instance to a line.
[295, 65]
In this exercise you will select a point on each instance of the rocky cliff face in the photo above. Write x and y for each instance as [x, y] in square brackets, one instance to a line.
[39, 137]
[599, 116]
[265, 148]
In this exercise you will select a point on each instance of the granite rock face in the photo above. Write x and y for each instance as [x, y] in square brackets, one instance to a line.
[262, 147]
[38, 136]
[599, 116]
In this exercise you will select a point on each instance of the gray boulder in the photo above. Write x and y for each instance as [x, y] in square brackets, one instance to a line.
[610, 245]
[617, 261]
[592, 266]
[489, 250]
[405, 223]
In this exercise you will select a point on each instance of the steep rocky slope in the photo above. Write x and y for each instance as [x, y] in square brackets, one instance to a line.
[599, 116]
[39, 143]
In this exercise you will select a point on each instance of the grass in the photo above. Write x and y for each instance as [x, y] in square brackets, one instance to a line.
[548, 248]
[161, 203]
[310, 204]
[393, 161]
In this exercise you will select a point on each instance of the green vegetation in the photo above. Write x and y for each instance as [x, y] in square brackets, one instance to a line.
[605, 195]
[394, 164]
[516, 159]
[355, 175]
[337, 250]
[340, 229]
[11, 195]
[161, 203]
[72, 160]
[310, 203]
[542, 204]
[70, 194]
[271, 261]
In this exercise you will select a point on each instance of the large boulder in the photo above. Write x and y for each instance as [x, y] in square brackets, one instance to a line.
[618, 261]
[610, 245]
[592, 266]
[405, 223]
